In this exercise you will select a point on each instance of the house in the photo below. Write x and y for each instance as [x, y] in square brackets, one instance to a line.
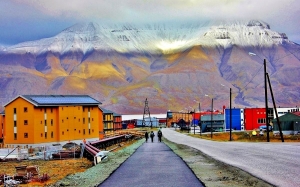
[38, 120]
[289, 123]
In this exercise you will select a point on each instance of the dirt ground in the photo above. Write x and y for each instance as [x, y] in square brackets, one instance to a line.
[56, 169]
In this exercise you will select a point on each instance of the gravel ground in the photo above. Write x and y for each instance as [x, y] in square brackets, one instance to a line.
[211, 172]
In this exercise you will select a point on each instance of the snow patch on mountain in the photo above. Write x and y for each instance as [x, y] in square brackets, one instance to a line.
[156, 38]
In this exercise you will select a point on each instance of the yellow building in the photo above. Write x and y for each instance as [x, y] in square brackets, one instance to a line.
[39, 120]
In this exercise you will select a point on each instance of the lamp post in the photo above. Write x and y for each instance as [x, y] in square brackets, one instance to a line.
[199, 122]
[211, 117]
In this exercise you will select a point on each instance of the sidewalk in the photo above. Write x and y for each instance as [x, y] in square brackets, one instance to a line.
[153, 164]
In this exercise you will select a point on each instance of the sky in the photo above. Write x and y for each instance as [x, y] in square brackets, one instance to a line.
[27, 20]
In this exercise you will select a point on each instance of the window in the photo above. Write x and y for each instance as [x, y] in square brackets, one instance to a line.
[45, 122]
[62, 133]
[83, 131]
[52, 134]
[45, 110]
[92, 119]
[74, 117]
[51, 122]
[41, 122]
[15, 123]
[15, 136]
[25, 135]
[83, 109]
[41, 134]
[79, 119]
[25, 109]
[89, 131]
[46, 135]
[51, 110]
[15, 110]
[79, 131]
[25, 122]
[83, 120]
[62, 120]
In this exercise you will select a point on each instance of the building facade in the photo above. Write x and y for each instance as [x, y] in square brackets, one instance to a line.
[254, 117]
[108, 122]
[237, 116]
[34, 120]
[117, 121]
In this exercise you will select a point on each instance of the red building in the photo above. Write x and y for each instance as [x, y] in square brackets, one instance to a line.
[254, 117]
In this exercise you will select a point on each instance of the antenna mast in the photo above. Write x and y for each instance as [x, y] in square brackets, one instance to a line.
[146, 114]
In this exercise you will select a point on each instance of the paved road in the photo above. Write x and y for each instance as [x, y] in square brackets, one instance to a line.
[153, 164]
[277, 163]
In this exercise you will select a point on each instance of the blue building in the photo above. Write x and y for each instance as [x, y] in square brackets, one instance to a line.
[237, 119]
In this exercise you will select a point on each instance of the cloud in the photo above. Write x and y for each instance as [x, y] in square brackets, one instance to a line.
[51, 16]
[159, 10]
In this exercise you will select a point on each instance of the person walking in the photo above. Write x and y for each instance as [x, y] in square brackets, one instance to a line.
[146, 136]
[159, 135]
[152, 136]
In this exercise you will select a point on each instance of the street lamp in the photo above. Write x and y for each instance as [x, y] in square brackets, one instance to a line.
[211, 117]
[199, 122]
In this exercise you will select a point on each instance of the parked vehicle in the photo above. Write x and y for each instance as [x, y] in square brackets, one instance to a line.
[264, 128]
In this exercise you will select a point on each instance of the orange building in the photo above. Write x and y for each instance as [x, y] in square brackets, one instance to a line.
[2, 116]
[38, 120]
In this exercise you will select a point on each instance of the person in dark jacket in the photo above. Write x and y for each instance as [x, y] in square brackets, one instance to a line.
[159, 135]
[152, 136]
[146, 136]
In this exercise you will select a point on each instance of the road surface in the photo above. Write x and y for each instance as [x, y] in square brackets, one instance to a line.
[277, 163]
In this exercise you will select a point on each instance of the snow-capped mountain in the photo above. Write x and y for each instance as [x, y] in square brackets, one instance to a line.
[171, 65]
[153, 38]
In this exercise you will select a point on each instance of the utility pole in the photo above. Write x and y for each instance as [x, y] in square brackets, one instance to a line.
[211, 125]
[266, 99]
[277, 118]
[230, 116]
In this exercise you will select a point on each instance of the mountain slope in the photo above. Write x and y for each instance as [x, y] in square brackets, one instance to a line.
[172, 66]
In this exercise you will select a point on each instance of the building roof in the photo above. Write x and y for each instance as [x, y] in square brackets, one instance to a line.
[140, 116]
[288, 117]
[106, 111]
[58, 100]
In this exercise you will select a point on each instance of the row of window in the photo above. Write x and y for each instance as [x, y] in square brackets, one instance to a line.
[52, 135]
[51, 122]
[25, 109]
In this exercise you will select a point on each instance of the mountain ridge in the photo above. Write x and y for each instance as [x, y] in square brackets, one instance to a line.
[171, 68]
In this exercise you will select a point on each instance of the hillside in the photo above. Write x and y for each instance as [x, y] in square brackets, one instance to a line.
[171, 65]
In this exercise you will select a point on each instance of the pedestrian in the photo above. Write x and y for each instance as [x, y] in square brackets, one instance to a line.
[159, 135]
[146, 136]
[152, 136]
